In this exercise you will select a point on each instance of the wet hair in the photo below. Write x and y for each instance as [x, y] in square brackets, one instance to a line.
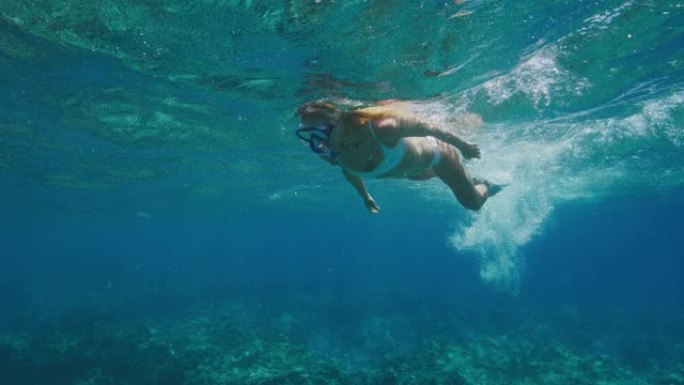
[325, 107]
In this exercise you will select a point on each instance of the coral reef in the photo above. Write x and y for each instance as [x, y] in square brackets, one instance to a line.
[235, 343]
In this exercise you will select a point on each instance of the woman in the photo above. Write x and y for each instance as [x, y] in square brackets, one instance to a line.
[387, 141]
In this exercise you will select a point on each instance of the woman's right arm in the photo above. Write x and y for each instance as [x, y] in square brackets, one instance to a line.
[404, 127]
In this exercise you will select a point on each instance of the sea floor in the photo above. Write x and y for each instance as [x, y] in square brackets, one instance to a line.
[307, 341]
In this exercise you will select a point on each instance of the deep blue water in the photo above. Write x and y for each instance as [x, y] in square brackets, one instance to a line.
[156, 206]
[612, 252]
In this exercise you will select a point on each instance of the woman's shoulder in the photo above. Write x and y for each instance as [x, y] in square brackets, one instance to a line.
[375, 111]
[388, 110]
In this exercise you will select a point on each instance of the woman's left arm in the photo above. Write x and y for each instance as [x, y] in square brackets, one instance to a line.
[360, 187]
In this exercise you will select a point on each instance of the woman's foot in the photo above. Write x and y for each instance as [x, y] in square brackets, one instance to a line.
[492, 188]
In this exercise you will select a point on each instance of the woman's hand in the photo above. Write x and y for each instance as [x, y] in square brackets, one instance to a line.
[371, 205]
[470, 151]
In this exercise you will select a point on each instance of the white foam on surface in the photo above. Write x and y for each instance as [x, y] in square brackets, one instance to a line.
[546, 163]
[603, 19]
[536, 77]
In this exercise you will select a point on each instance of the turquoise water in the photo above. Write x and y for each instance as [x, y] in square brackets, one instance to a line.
[153, 193]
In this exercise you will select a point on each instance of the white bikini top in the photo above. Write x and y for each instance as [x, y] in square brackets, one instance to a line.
[392, 156]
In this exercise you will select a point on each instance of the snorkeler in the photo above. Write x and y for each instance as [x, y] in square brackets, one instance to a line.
[386, 141]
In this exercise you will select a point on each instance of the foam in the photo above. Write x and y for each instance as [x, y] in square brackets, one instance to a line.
[605, 18]
[536, 77]
[659, 113]
[513, 217]
[550, 162]
[526, 157]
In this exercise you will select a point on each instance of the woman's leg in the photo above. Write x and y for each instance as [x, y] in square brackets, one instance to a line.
[452, 172]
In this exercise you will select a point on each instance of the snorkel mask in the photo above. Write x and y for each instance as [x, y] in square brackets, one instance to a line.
[317, 137]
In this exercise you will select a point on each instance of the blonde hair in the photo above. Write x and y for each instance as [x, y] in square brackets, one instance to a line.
[324, 107]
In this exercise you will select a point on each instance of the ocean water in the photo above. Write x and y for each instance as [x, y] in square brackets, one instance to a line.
[161, 224]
